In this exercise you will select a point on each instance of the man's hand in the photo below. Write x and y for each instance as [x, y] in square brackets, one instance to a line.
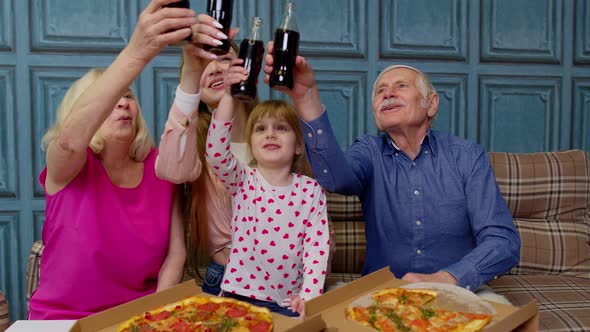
[443, 277]
[296, 304]
[305, 94]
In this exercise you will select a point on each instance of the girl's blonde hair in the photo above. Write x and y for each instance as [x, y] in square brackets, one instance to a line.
[139, 148]
[279, 109]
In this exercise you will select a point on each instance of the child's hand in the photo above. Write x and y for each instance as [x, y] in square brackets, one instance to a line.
[296, 304]
[234, 74]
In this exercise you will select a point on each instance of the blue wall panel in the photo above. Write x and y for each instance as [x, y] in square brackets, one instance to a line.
[48, 86]
[329, 27]
[437, 30]
[8, 138]
[9, 262]
[6, 26]
[582, 32]
[452, 91]
[581, 118]
[515, 31]
[519, 115]
[72, 26]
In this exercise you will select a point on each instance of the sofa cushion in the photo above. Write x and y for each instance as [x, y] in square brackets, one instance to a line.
[548, 195]
[349, 228]
[564, 302]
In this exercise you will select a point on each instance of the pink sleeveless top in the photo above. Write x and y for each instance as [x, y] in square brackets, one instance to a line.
[104, 245]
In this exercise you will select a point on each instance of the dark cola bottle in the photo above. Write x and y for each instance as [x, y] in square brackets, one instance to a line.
[251, 51]
[220, 10]
[181, 4]
[286, 47]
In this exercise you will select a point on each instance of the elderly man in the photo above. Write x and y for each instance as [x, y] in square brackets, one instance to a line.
[432, 207]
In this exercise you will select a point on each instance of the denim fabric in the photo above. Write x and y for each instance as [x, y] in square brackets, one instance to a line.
[213, 278]
[270, 305]
[440, 211]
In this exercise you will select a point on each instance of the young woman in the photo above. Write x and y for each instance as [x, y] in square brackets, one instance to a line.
[209, 212]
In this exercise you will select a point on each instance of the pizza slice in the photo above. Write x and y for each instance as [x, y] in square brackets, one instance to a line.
[403, 318]
[402, 296]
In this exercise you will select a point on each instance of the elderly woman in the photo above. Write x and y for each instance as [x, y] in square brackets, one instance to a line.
[113, 231]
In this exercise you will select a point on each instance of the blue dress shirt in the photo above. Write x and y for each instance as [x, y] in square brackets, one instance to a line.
[441, 211]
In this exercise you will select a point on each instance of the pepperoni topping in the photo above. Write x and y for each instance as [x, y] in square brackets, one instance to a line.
[236, 312]
[181, 326]
[159, 316]
[260, 327]
[209, 306]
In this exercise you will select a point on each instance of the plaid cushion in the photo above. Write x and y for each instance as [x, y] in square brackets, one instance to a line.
[564, 302]
[548, 195]
[4, 313]
[33, 265]
[349, 228]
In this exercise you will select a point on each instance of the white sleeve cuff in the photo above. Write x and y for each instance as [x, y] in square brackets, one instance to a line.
[187, 103]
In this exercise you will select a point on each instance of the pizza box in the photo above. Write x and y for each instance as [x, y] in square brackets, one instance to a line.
[109, 320]
[331, 306]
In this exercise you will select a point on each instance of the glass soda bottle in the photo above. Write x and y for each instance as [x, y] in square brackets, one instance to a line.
[251, 51]
[286, 47]
[220, 10]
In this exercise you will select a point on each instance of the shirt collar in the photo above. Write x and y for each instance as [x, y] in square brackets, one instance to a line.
[427, 141]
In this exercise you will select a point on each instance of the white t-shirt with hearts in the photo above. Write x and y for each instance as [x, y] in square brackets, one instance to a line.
[280, 235]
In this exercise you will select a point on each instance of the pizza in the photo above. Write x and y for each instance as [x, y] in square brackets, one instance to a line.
[200, 314]
[395, 296]
[402, 310]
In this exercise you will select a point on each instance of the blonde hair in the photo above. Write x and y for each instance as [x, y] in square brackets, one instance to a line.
[279, 109]
[139, 148]
[198, 242]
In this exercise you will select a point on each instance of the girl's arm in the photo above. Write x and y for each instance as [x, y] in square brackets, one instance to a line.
[218, 154]
[172, 269]
[316, 247]
[66, 155]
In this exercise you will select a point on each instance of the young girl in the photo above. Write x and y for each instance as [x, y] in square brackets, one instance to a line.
[280, 230]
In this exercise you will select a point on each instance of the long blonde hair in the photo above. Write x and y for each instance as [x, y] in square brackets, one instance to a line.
[198, 242]
[279, 109]
[139, 148]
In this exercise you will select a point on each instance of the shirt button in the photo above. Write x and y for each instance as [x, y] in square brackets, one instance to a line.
[310, 135]
[396, 154]
[418, 222]
[184, 122]
[418, 251]
[426, 151]
[325, 171]
[416, 192]
[468, 287]
[320, 131]
[413, 163]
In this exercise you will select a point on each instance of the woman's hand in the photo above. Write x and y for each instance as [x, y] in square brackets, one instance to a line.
[157, 27]
[206, 32]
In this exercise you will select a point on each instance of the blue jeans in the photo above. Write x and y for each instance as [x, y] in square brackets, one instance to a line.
[270, 305]
[213, 278]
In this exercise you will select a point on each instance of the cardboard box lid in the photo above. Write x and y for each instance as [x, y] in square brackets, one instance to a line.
[331, 306]
[109, 320]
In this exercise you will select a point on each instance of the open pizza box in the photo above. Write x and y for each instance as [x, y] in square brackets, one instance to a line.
[109, 320]
[331, 306]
